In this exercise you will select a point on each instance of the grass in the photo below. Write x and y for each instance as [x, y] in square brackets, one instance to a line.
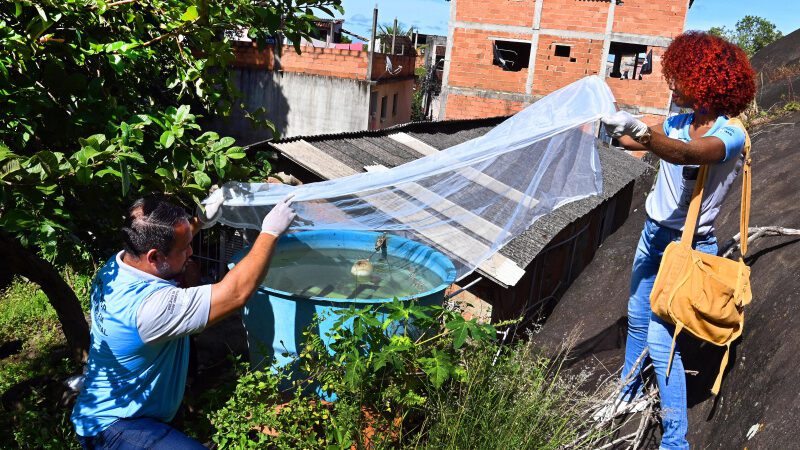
[35, 413]
[519, 400]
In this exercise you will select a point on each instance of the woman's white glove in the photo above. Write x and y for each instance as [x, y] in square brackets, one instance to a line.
[279, 218]
[622, 123]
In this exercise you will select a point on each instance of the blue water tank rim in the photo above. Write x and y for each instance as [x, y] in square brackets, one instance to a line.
[447, 281]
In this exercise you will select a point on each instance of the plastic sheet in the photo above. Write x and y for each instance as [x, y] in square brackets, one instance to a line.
[467, 201]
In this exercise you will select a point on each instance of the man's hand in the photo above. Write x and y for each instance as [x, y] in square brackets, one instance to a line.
[622, 123]
[279, 219]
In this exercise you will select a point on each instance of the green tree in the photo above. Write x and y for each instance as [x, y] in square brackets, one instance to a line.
[99, 102]
[387, 30]
[751, 33]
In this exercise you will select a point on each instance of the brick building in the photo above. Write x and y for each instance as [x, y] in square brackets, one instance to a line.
[505, 54]
[328, 89]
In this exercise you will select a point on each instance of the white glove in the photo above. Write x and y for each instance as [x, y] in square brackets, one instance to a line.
[279, 219]
[622, 123]
[213, 207]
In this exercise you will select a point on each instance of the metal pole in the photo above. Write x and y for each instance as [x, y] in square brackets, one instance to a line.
[372, 41]
[394, 34]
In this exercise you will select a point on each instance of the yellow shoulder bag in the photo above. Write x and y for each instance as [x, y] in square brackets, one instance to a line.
[701, 293]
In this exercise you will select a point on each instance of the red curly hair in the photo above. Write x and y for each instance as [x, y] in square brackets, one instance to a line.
[712, 71]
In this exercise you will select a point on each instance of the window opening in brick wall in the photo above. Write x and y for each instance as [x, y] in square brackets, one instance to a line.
[394, 105]
[562, 51]
[383, 108]
[373, 104]
[510, 55]
[625, 61]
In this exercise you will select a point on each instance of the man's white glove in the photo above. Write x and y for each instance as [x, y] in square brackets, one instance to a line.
[622, 123]
[210, 213]
[279, 219]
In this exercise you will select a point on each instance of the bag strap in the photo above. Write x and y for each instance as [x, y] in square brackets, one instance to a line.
[678, 329]
[722, 366]
[694, 206]
[697, 195]
[744, 220]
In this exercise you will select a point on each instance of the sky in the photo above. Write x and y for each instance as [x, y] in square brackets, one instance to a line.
[431, 16]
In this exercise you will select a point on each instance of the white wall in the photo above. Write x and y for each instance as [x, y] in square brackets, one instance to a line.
[297, 104]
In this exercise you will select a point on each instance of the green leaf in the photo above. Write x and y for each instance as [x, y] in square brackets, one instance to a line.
[108, 171]
[460, 336]
[167, 139]
[48, 160]
[235, 153]
[126, 177]
[136, 156]
[202, 179]
[190, 14]
[437, 368]
[83, 175]
[164, 173]
[47, 189]
[223, 143]
[16, 220]
[9, 167]
[182, 113]
[84, 155]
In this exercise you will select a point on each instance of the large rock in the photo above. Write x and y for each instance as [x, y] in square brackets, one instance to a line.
[777, 69]
[761, 389]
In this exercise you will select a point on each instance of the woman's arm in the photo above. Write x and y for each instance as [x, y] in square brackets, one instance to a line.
[625, 127]
[705, 150]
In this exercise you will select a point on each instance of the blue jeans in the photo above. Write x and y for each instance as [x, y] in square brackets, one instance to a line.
[647, 329]
[139, 433]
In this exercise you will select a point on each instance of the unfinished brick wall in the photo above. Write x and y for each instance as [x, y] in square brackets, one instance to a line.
[554, 72]
[341, 63]
[653, 18]
[501, 12]
[471, 66]
[580, 25]
[652, 91]
[470, 107]
[575, 15]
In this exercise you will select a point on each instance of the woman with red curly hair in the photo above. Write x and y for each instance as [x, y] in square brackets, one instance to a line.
[712, 77]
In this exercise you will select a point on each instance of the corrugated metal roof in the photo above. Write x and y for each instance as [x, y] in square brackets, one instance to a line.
[336, 155]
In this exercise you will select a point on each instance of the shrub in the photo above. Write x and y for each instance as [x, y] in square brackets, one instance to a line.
[405, 376]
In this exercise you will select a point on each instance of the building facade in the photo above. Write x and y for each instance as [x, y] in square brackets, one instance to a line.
[505, 54]
[331, 89]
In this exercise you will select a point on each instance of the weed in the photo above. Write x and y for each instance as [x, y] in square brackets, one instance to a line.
[35, 410]
[405, 377]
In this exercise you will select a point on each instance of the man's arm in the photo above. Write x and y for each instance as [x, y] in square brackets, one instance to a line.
[233, 291]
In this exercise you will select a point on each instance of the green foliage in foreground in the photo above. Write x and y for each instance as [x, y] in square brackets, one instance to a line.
[95, 101]
[437, 381]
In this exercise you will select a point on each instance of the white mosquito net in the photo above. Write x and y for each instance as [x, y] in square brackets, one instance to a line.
[467, 201]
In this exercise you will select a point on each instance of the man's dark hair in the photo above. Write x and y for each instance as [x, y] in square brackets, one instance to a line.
[151, 224]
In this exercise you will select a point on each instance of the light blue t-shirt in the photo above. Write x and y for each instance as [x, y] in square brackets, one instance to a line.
[668, 203]
[139, 356]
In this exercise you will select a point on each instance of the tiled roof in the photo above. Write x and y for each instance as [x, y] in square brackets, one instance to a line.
[335, 155]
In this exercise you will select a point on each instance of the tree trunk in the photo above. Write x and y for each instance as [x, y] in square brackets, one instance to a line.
[21, 261]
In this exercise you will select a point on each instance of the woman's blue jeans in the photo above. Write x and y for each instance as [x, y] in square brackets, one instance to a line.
[645, 329]
[138, 434]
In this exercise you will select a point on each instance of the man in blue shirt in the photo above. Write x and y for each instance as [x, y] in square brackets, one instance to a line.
[141, 322]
